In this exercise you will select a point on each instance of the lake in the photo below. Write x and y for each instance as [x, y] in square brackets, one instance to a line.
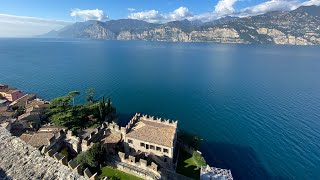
[257, 107]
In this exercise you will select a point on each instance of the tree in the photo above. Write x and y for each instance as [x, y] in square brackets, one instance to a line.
[61, 102]
[90, 95]
[93, 157]
[199, 159]
[102, 109]
[109, 102]
[73, 94]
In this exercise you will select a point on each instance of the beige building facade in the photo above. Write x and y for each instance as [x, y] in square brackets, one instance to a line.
[152, 137]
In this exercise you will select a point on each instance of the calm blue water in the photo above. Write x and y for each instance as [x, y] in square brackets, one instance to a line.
[256, 107]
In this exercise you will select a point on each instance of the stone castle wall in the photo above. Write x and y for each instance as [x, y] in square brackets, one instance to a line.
[20, 160]
[138, 167]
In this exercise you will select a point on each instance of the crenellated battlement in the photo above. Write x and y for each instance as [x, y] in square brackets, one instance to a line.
[141, 163]
[139, 116]
[73, 165]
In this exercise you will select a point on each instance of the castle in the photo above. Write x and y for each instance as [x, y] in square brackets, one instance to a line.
[152, 137]
[148, 143]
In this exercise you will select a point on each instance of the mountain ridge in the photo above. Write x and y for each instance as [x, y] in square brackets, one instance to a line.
[297, 27]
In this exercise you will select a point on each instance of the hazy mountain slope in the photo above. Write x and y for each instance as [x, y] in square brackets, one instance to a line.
[297, 27]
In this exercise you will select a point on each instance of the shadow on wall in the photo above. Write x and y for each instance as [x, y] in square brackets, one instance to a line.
[242, 161]
[3, 175]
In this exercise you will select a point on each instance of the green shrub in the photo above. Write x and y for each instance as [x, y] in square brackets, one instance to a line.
[93, 157]
[199, 159]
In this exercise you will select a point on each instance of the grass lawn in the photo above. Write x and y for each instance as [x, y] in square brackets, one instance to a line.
[187, 166]
[110, 171]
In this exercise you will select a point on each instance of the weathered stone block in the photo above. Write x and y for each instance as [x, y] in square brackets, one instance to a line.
[143, 163]
[121, 155]
[64, 161]
[116, 128]
[154, 166]
[79, 169]
[132, 159]
[50, 153]
[57, 156]
[123, 130]
[87, 174]
[72, 164]
[69, 133]
[94, 177]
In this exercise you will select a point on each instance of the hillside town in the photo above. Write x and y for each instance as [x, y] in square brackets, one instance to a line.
[97, 147]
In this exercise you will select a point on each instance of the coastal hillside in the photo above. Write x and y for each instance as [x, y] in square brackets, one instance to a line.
[297, 27]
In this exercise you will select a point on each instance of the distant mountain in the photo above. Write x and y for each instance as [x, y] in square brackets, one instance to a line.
[221, 21]
[297, 27]
[50, 34]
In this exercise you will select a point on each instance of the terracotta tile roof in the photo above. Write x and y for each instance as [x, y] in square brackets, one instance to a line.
[153, 132]
[86, 133]
[36, 103]
[39, 139]
[26, 137]
[111, 138]
[12, 91]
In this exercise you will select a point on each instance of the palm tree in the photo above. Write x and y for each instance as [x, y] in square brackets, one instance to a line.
[73, 94]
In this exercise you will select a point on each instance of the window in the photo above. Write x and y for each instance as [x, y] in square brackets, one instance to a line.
[142, 144]
[159, 149]
[165, 150]
[147, 146]
[152, 147]
[130, 141]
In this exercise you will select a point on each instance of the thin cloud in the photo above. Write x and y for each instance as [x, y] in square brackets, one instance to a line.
[272, 5]
[89, 14]
[24, 26]
[155, 16]
[131, 9]
[311, 2]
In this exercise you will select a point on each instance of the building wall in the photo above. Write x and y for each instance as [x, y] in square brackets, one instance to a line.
[12, 96]
[133, 145]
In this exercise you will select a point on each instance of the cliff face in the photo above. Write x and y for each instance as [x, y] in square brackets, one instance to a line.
[19, 160]
[297, 27]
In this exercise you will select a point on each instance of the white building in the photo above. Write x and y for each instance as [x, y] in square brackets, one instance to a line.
[213, 173]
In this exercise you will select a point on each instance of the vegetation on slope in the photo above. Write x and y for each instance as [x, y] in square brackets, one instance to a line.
[63, 112]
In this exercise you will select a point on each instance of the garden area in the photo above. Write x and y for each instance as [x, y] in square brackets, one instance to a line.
[115, 174]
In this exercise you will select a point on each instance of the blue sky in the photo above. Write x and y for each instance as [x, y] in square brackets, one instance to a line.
[25, 18]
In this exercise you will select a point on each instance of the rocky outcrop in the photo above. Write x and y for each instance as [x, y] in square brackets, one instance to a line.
[157, 34]
[220, 35]
[281, 38]
[97, 32]
[19, 160]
